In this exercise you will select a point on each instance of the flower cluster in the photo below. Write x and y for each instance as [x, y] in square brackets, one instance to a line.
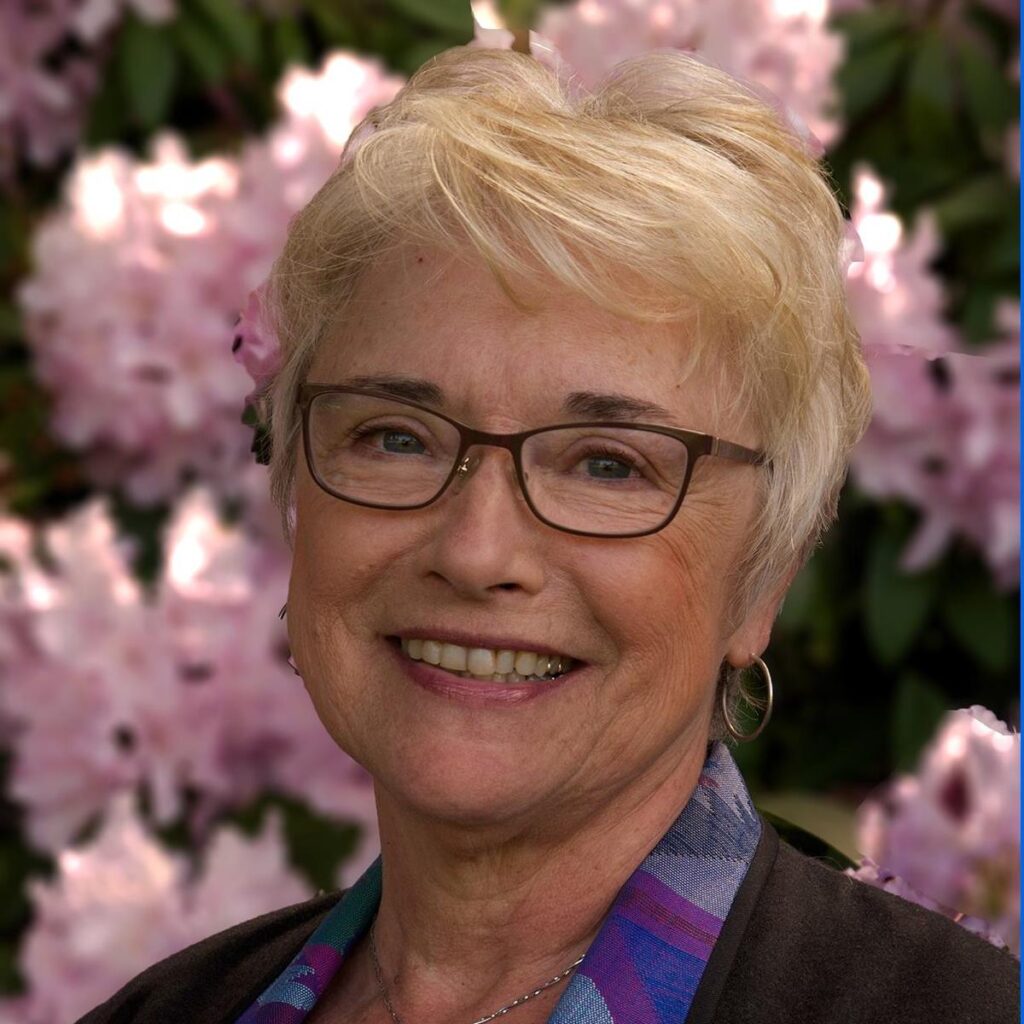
[944, 436]
[183, 693]
[948, 836]
[144, 383]
[783, 47]
[45, 84]
[124, 902]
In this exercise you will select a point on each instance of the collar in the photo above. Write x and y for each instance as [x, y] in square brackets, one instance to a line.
[650, 953]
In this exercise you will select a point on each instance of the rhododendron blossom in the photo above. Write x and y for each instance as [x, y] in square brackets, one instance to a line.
[48, 71]
[144, 383]
[784, 47]
[187, 686]
[948, 836]
[944, 434]
[43, 91]
[123, 902]
[140, 380]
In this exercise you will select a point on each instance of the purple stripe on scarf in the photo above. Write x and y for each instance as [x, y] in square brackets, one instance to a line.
[653, 906]
[612, 970]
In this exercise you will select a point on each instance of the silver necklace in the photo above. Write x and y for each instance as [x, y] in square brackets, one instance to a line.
[483, 1020]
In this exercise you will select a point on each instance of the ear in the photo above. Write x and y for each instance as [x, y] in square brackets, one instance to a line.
[754, 630]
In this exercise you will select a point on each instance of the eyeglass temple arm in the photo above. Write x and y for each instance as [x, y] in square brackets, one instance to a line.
[728, 450]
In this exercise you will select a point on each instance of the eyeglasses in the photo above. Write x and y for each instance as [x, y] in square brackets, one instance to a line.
[593, 479]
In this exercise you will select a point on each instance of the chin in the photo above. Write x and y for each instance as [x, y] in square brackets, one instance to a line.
[456, 790]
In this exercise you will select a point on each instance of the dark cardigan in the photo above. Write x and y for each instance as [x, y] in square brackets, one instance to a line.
[803, 943]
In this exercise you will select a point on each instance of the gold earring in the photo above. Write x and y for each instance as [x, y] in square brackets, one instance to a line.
[741, 737]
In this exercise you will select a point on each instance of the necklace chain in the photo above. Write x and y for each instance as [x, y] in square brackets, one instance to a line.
[483, 1020]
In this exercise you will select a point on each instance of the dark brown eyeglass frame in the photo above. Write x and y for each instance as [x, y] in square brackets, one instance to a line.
[697, 445]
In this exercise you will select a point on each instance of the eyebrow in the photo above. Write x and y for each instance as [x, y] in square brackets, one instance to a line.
[613, 406]
[593, 405]
[408, 389]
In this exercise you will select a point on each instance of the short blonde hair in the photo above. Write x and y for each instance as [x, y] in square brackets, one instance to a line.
[670, 192]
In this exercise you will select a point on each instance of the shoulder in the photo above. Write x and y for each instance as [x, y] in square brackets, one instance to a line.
[820, 945]
[216, 979]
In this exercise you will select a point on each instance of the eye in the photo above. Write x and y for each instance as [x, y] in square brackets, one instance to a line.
[608, 466]
[394, 440]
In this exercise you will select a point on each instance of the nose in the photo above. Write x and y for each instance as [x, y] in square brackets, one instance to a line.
[486, 539]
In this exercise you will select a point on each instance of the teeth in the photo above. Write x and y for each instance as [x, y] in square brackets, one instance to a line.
[453, 657]
[505, 662]
[503, 666]
[525, 663]
[480, 662]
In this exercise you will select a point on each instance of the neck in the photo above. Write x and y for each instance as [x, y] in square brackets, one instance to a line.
[470, 917]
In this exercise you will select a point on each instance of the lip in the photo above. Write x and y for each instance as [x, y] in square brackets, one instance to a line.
[487, 640]
[474, 692]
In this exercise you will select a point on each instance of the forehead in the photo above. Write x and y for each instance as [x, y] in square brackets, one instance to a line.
[427, 314]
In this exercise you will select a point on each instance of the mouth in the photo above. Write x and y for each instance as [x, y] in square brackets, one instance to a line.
[501, 666]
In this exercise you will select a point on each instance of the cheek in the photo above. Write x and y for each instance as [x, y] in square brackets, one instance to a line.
[664, 604]
[339, 547]
[338, 560]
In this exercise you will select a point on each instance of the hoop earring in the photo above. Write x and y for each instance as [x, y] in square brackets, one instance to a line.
[741, 737]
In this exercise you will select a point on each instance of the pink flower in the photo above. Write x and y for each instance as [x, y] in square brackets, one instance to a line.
[184, 686]
[94, 18]
[948, 836]
[143, 383]
[43, 90]
[256, 346]
[944, 435]
[123, 902]
[785, 48]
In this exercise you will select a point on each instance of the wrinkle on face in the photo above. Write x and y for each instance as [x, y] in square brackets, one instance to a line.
[649, 614]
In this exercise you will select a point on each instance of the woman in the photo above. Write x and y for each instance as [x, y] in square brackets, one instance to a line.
[567, 393]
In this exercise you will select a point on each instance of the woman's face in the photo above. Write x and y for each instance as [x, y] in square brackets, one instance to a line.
[645, 619]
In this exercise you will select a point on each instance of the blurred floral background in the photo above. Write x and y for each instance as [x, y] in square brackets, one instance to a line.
[162, 773]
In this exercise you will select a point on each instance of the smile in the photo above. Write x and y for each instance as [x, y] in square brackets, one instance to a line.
[499, 666]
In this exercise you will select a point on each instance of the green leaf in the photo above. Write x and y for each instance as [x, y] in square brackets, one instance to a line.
[419, 53]
[1002, 256]
[451, 16]
[917, 707]
[330, 22]
[147, 68]
[931, 97]
[317, 845]
[202, 49]
[106, 117]
[983, 200]
[865, 30]
[236, 26]
[865, 79]
[10, 322]
[982, 621]
[519, 14]
[896, 603]
[989, 95]
[289, 42]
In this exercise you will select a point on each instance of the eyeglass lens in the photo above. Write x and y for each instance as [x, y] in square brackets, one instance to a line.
[604, 480]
